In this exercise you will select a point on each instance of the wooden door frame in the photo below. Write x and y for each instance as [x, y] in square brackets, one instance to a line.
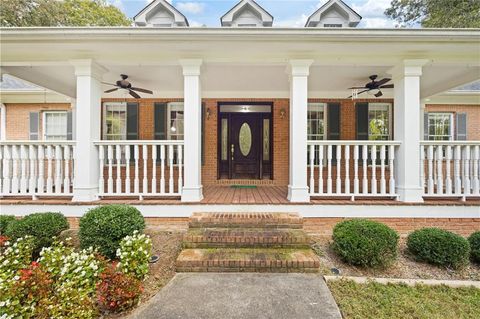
[219, 145]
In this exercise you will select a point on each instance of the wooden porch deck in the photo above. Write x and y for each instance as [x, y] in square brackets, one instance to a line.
[227, 195]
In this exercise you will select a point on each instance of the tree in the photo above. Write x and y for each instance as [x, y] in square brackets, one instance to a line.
[436, 13]
[53, 13]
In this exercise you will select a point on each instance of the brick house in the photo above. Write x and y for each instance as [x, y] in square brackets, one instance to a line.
[245, 117]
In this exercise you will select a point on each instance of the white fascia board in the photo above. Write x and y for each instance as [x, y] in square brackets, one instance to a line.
[32, 97]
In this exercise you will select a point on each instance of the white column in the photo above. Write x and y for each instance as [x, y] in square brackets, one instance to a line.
[87, 119]
[192, 189]
[407, 124]
[297, 187]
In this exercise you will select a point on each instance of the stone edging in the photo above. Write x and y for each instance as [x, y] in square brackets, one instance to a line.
[408, 282]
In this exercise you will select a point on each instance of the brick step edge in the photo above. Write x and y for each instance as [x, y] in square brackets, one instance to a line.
[247, 264]
[218, 244]
[239, 269]
[220, 224]
[255, 238]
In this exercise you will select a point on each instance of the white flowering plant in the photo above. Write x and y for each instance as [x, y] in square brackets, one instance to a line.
[134, 254]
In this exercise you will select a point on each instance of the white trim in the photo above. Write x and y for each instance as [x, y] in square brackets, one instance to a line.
[3, 122]
[305, 210]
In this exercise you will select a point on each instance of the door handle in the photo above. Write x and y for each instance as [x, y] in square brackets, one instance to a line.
[232, 149]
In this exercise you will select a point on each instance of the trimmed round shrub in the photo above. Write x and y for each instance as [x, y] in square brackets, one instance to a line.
[104, 227]
[439, 247]
[365, 243]
[5, 220]
[43, 227]
[474, 241]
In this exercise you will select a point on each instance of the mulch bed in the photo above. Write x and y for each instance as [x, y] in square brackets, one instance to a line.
[404, 267]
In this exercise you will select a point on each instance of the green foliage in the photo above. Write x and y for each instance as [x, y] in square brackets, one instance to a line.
[439, 247]
[5, 220]
[42, 226]
[436, 13]
[104, 227]
[474, 241]
[27, 13]
[118, 291]
[365, 243]
[134, 254]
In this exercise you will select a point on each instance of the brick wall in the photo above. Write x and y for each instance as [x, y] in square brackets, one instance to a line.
[473, 116]
[18, 117]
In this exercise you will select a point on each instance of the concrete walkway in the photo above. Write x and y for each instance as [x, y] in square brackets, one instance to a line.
[241, 295]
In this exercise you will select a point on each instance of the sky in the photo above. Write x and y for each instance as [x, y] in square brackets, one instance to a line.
[287, 13]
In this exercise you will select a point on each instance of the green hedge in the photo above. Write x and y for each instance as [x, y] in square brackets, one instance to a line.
[42, 226]
[365, 243]
[439, 247]
[5, 220]
[474, 241]
[104, 227]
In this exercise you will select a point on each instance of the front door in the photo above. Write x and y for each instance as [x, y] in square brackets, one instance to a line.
[244, 143]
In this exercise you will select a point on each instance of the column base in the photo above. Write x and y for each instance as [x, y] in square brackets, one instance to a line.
[85, 194]
[410, 195]
[192, 194]
[298, 194]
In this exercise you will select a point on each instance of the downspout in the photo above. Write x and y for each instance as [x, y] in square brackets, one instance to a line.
[3, 122]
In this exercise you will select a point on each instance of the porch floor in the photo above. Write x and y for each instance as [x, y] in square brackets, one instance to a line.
[227, 195]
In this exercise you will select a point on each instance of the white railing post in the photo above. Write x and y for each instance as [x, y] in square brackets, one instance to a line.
[374, 169]
[329, 169]
[180, 168]
[356, 181]
[110, 169]
[448, 178]
[136, 180]
[23, 169]
[311, 155]
[127, 169]
[476, 166]
[101, 163]
[66, 179]
[162, 169]
[49, 169]
[383, 183]
[347, 169]
[391, 167]
[118, 160]
[7, 180]
[154, 169]
[320, 169]
[338, 184]
[365, 169]
[41, 169]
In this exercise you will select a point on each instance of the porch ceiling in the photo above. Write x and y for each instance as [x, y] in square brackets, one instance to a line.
[242, 63]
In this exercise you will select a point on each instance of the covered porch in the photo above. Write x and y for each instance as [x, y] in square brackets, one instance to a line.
[296, 165]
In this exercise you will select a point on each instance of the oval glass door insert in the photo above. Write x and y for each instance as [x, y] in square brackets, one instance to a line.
[245, 139]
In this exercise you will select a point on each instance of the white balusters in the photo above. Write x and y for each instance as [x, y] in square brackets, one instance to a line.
[311, 155]
[347, 169]
[320, 169]
[374, 169]
[101, 180]
[391, 168]
[41, 169]
[58, 169]
[338, 184]
[356, 181]
[49, 169]
[329, 169]
[32, 181]
[66, 177]
[444, 158]
[23, 169]
[15, 157]
[383, 182]
[7, 177]
[150, 161]
[365, 169]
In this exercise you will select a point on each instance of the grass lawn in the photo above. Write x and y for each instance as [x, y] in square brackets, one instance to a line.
[374, 300]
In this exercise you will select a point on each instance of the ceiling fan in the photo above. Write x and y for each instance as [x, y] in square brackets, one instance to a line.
[374, 85]
[126, 85]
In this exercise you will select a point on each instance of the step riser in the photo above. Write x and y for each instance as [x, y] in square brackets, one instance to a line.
[244, 225]
[265, 270]
[247, 266]
[243, 245]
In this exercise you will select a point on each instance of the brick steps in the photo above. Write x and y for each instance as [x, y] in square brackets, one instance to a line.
[246, 220]
[247, 260]
[246, 237]
[248, 242]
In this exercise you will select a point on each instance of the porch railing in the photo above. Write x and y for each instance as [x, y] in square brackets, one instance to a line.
[34, 168]
[450, 168]
[140, 168]
[352, 168]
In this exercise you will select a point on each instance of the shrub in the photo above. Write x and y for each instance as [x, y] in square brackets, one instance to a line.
[43, 227]
[439, 247]
[365, 243]
[134, 254]
[474, 241]
[118, 291]
[5, 220]
[104, 227]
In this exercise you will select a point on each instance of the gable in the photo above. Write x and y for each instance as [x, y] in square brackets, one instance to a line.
[247, 13]
[334, 13]
[160, 13]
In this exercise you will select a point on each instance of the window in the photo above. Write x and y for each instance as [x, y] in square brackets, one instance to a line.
[440, 126]
[115, 121]
[332, 25]
[316, 121]
[175, 120]
[55, 125]
[379, 121]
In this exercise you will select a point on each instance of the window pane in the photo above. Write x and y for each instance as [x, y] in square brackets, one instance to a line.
[224, 139]
[115, 121]
[56, 125]
[439, 126]
[378, 121]
[316, 121]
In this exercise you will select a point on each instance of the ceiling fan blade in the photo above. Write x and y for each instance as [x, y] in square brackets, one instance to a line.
[111, 90]
[135, 95]
[356, 87]
[108, 83]
[382, 82]
[388, 86]
[142, 90]
[378, 94]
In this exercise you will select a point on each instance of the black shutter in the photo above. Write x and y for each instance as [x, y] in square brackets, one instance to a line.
[69, 126]
[160, 121]
[362, 120]
[204, 110]
[425, 126]
[132, 121]
[333, 121]
[34, 125]
[461, 125]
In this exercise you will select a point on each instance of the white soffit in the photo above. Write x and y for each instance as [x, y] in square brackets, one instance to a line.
[247, 13]
[160, 13]
[334, 12]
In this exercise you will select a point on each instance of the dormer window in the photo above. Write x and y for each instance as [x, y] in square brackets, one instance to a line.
[247, 13]
[160, 14]
[334, 14]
